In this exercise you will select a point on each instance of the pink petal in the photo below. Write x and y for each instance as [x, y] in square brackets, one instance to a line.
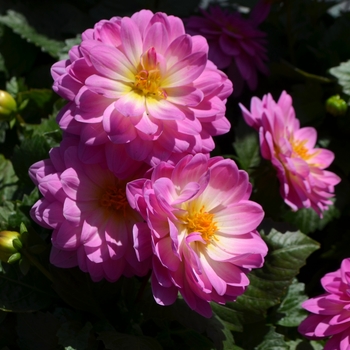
[132, 41]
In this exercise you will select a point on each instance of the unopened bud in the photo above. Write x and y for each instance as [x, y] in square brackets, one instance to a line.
[8, 106]
[7, 248]
[335, 105]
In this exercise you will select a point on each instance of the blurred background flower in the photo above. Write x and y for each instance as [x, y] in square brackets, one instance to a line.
[235, 42]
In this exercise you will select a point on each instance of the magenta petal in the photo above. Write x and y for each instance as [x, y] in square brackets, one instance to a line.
[163, 295]
[131, 40]
[63, 258]
[118, 126]
[164, 251]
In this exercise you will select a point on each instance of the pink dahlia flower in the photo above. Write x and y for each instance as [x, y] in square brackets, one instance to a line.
[148, 84]
[330, 315]
[300, 166]
[234, 42]
[86, 207]
[203, 230]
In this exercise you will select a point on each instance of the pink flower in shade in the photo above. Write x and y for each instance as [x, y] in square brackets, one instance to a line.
[203, 230]
[234, 42]
[330, 312]
[146, 85]
[86, 207]
[300, 166]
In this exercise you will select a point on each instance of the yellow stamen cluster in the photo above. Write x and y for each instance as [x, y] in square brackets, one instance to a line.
[148, 83]
[300, 149]
[202, 222]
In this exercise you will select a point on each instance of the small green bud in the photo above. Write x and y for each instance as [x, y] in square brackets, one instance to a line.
[8, 106]
[7, 248]
[336, 105]
[14, 257]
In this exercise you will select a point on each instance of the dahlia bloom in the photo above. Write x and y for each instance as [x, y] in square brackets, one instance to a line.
[86, 207]
[234, 42]
[203, 230]
[300, 166]
[330, 311]
[147, 84]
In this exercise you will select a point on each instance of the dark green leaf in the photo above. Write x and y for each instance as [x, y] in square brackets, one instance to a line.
[47, 128]
[248, 151]
[20, 26]
[307, 220]
[300, 344]
[273, 341]
[76, 289]
[118, 341]
[29, 152]
[268, 285]
[72, 335]
[37, 331]
[38, 105]
[6, 210]
[15, 85]
[291, 308]
[19, 293]
[8, 180]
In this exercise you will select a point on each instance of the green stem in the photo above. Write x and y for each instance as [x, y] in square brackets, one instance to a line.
[20, 119]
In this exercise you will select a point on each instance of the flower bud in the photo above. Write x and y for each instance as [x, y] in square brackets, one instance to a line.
[7, 248]
[336, 105]
[8, 106]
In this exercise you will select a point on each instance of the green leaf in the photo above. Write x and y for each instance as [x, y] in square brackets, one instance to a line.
[47, 128]
[342, 73]
[308, 221]
[248, 151]
[118, 341]
[215, 328]
[300, 344]
[268, 285]
[39, 103]
[18, 23]
[273, 341]
[15, 85]
[76, 289]
[29, 152]
[2, 64]
[8, 180]
[291, 308]
[73, 336]
[37, 331]
[6, 210]
[19, 293]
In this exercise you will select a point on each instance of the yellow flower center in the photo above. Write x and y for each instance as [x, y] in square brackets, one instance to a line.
[300, 149]
[147, 83]
[148, 78]
[202, 222]
[114, 198]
